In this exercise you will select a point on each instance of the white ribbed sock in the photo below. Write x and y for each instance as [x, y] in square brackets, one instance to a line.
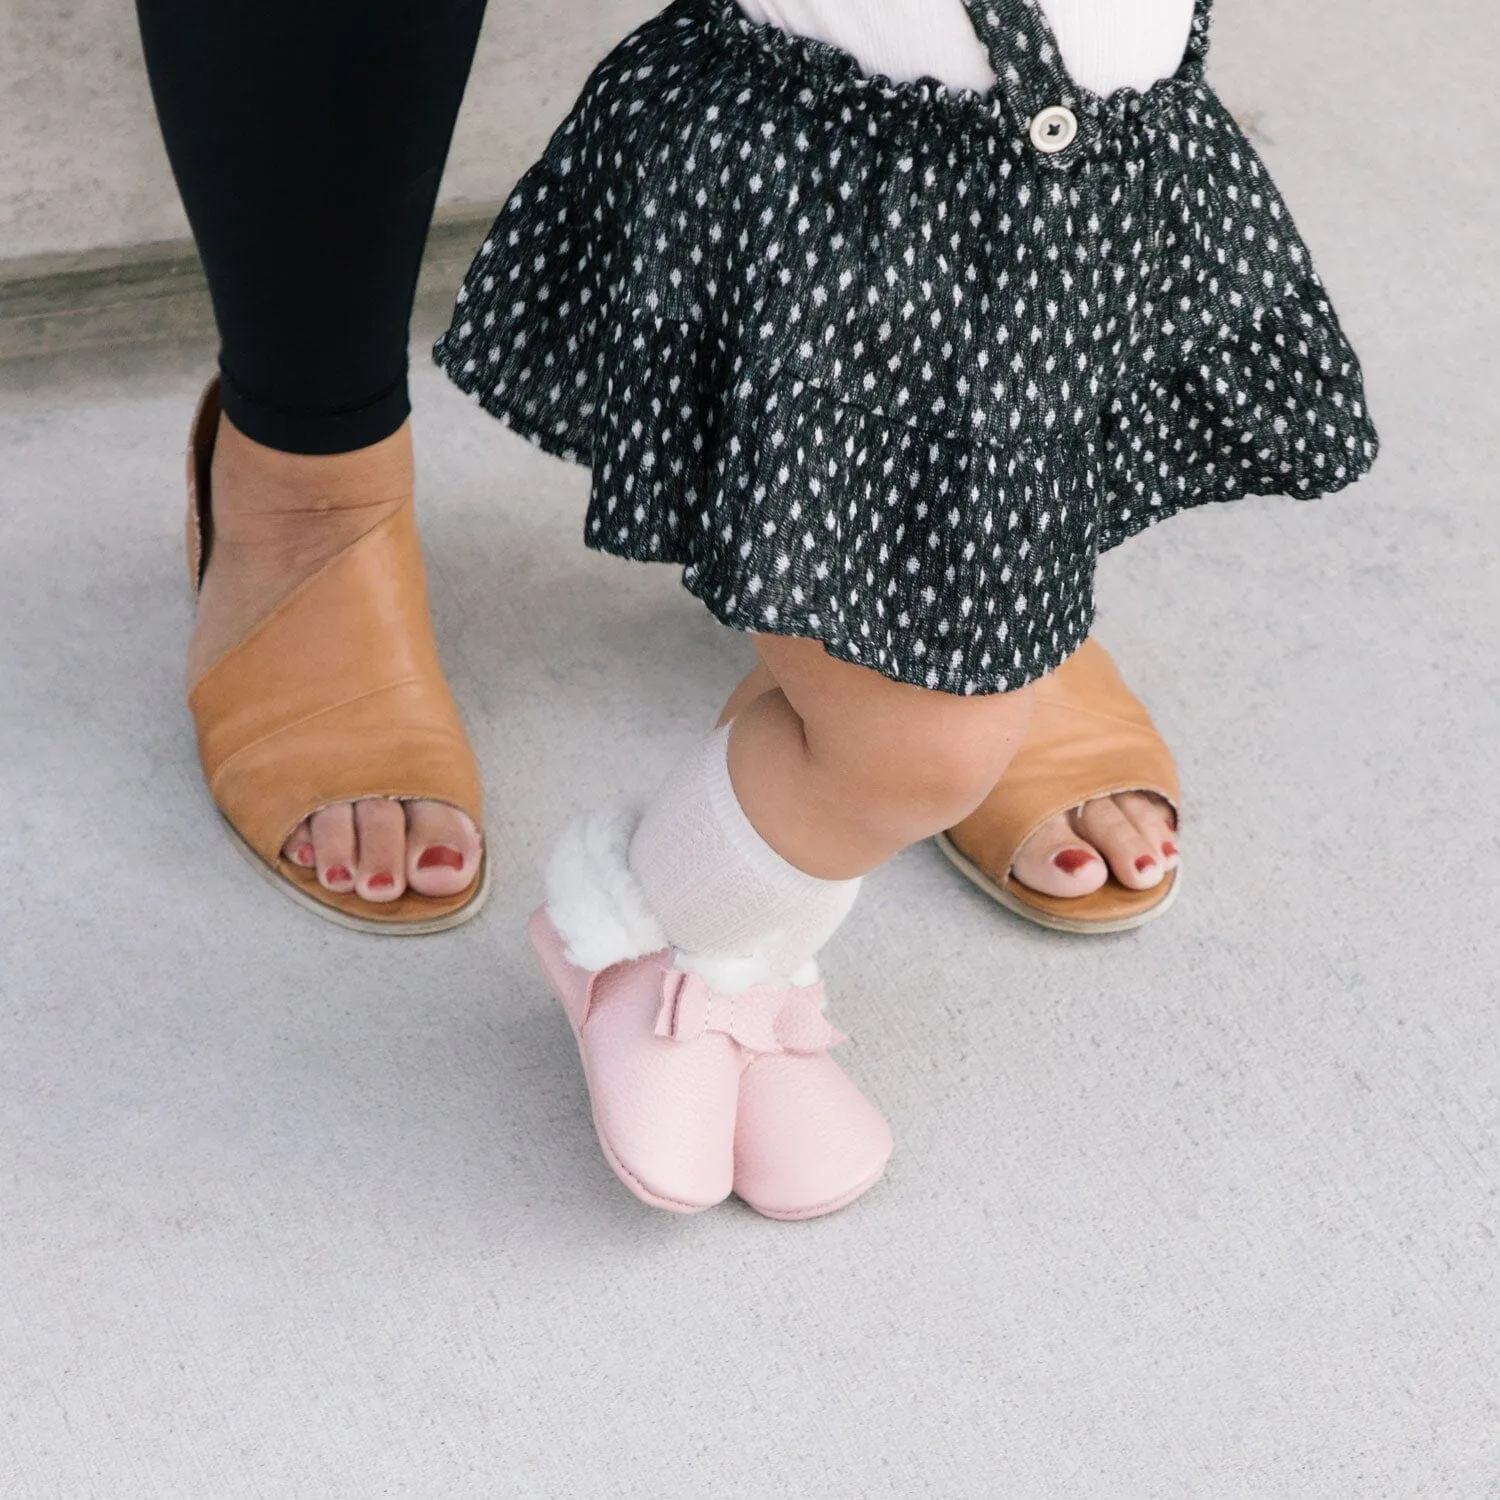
[736, 912]
[1106, 44]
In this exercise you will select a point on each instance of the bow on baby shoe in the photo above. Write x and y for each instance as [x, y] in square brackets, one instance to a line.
[767, 1018]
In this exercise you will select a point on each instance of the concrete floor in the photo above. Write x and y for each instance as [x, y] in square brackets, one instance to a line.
[1208, 1211]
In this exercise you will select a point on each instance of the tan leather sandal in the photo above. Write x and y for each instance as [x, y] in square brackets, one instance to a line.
[1089, 737]
[336, 695]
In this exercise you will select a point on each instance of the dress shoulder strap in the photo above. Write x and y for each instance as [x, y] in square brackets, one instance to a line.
[1023, 51]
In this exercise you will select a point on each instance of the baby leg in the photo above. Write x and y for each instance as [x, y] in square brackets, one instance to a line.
[1132, 835]
[839, 768]
[682, 941]
[749, 857]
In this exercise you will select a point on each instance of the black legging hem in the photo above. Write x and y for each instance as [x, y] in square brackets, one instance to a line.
[331, 430]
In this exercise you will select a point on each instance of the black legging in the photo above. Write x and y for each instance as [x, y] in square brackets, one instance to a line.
[308, 138]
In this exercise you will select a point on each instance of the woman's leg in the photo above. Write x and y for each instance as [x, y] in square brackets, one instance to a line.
[308, 138]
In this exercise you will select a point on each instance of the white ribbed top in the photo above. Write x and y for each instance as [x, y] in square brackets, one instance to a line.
[1107, 44]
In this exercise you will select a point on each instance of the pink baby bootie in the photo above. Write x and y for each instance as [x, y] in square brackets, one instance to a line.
[806, 1141]
[664, 1111]
[695, 1092]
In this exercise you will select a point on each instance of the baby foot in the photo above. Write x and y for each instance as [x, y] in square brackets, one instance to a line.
[1131, 835]
[694, 1092]
[663, 1106]
[277, 518]
[807, 1142]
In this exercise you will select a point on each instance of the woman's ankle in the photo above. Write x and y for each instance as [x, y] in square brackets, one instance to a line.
[256, 486]
[277, 519]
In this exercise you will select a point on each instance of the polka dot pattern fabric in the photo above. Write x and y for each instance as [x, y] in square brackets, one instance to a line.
[875, 369]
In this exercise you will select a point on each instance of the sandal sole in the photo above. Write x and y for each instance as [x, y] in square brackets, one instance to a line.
[1020, 908]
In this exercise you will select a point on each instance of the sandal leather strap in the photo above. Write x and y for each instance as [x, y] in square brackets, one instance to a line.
[338, 695]
[1089, 737]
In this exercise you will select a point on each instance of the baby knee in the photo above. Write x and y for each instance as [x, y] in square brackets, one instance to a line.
[944, 785]
[933, 772]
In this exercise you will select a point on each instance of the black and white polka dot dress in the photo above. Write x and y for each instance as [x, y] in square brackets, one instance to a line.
[888, 364]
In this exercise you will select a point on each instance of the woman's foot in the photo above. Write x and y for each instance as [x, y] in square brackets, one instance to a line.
[277, 518]
[1132, 836]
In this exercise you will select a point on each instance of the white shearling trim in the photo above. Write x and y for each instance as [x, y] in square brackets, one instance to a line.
[808, 974]
[723, 974]
[732, 976]
[592, 898]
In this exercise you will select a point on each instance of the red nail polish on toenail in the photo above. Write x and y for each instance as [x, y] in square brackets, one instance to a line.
[1169, 849]
[338, 875]
[440, 857]
[382, 881]
[1145, 862]
[305, 854]
[1071, 861]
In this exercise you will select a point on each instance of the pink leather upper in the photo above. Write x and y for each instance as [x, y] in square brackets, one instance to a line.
[695, 1092]
[664, 1113]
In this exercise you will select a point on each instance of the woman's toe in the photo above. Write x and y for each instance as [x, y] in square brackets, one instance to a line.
[334, 846]
[443, 849]
[298, 849]
[380, 824]
[1134, 860]
[1155, 822]
[1057, 862]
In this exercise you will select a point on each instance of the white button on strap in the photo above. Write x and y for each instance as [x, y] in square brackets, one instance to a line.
[1054, 130]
